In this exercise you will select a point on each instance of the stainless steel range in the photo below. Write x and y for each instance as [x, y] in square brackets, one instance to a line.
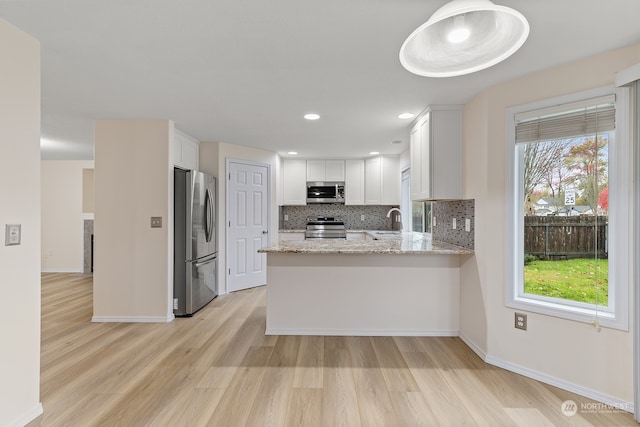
[325, 227]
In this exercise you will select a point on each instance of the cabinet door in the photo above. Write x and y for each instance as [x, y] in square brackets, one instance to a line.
[446, 151]
[420, 161]
[425, 159]
[416, 165]
[334, 170]
[316, 170]
[185, 151]
[391, 178]
[294, 187]
[373, 181]
[354, 182]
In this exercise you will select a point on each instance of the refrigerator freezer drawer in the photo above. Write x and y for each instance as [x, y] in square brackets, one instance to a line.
[200, 286]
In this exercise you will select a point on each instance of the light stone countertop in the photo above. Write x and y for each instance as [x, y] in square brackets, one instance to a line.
[387, 243]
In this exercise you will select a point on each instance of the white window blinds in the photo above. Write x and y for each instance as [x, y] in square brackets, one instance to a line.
[567, 121]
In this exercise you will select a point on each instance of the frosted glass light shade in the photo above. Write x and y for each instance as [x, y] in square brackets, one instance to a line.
[435, 49]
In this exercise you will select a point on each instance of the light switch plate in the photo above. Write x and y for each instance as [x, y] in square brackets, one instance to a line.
[467, 224]
[156, 222]
[453, 223]
[12, 234]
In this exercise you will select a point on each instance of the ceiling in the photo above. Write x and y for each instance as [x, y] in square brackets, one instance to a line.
[246, 71]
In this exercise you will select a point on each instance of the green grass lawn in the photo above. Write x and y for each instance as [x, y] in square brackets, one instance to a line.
[584, 280]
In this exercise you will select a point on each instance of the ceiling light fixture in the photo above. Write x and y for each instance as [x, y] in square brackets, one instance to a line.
[292, 153]
[406, 116]
[462, 37]
[312, 116]
[373, 153]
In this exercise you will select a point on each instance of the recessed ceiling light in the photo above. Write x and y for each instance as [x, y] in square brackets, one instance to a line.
[374, 152]
[292, 153]
[406, 116]
[312, 116]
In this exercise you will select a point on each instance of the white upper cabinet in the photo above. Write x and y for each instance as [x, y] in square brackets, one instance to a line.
[185, 151]
[326, 170]
[436, 154]
[382, 181]
[354, 182]
[294, 185]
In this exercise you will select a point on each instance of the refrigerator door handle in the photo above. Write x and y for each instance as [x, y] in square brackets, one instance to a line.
[209, 215]
[205, 261]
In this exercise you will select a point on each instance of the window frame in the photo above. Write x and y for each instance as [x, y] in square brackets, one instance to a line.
[616, 315]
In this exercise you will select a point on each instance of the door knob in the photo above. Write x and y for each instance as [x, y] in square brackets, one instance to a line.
[265, 232]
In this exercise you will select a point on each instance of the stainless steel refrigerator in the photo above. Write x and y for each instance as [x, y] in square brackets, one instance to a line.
[195, 248]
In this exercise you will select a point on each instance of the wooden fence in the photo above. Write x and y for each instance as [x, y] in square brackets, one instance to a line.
[564, 237]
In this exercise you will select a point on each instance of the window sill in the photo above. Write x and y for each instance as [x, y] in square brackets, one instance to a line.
[584, 315]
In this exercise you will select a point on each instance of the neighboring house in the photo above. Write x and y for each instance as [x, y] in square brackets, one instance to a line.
[574, 211]
[545, 206]
[549, 206]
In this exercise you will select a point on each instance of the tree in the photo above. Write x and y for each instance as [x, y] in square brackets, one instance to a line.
[603, 199]
[587, 165]
[541, 159]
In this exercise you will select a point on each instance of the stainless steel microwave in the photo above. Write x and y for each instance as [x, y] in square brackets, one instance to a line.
[325, 192]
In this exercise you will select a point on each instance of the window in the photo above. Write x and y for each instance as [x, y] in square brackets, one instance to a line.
[419, 218]
[568, 208]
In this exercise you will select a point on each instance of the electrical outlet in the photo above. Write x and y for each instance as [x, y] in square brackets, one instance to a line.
[433, 222]
[453, 223]
[156, 222]
[521, 321]
[361, 217]
[467, 224]
[175, 303]
[286, 217]
[12, 234]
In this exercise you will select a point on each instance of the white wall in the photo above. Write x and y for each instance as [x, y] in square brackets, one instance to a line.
[213, 160]
[133, 263]
[62, 217]
[20, 189]
[570, 354]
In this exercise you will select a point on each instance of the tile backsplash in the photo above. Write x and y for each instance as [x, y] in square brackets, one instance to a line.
[375, 217]
[445, 212]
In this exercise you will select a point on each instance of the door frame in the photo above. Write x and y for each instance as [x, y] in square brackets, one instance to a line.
[226, 177]
[635, 282]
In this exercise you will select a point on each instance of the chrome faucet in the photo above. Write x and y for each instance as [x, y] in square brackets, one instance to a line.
[399, 214]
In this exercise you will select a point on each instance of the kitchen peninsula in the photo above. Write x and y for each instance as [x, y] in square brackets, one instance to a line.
[398, 284]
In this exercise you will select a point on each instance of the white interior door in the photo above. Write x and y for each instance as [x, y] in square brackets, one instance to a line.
[247, 225]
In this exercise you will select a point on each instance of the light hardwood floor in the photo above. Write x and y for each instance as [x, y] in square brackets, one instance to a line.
[219, 369]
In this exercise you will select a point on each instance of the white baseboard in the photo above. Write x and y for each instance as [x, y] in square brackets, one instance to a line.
[551, 380]
[28, 417]
[58, 270]
[361, 332]
[477, 350]
[132, 319]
